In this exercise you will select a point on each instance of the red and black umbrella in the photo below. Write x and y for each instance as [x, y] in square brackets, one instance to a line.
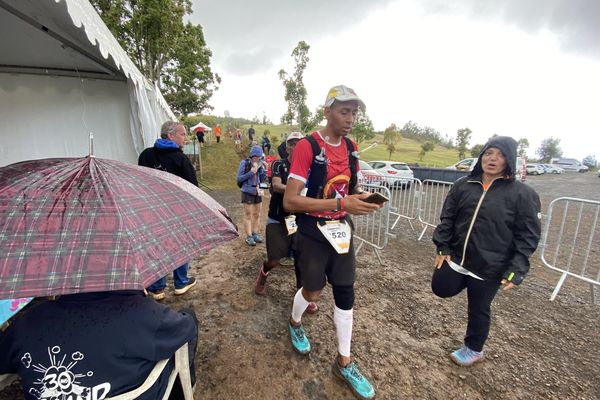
[73, 225]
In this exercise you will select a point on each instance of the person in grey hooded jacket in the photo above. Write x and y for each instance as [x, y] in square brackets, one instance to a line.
[490, 226]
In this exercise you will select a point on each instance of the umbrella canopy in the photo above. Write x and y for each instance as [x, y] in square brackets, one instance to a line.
[87, 224]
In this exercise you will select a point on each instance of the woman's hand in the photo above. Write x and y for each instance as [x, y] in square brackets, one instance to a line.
[506, 285]
[439, 260]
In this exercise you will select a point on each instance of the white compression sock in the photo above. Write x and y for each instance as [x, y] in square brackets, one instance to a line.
[300, 304]
[343, 328]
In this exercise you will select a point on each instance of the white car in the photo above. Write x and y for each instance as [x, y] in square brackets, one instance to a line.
[464, 165]
[368, 175]
[535, 169]
[552, 169]
[395, 173]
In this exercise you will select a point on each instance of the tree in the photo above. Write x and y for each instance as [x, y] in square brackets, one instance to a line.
[590, 161]
[522, 146]
[425, 148]
[391, 137]
[295, 92]
[363, 127]
[549, 148]
[463, 136]
[476, 150]
[169, 52]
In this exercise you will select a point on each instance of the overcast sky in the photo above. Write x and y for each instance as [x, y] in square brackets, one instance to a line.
[523, 68]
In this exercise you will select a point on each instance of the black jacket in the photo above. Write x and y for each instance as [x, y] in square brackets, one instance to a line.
[506, 227]
[171, 160]
[105, 342]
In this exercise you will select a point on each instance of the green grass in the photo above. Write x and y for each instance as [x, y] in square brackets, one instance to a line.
[407, 150]
[220, 161]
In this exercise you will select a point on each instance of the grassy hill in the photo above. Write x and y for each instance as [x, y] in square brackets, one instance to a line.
[220, 161]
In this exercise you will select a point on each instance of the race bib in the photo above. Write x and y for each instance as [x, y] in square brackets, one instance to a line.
[338, 233]
[290, 224]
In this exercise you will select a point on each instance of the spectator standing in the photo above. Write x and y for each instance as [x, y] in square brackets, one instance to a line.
[251, 172]
[218, 133]
[251, 134]
[490, 226]
[167, 155]
[266, 144]
[200, 136]
[323, 245]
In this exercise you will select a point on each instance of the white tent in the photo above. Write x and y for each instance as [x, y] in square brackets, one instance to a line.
[201, 125]
[62, 76]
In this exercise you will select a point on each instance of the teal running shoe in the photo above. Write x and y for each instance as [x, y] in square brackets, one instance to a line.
[351, 375]
[466, 357]
[300, 342]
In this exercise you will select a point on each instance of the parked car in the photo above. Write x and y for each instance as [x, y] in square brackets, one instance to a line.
[570, 164]
[395, 173]
[534, 169]
[368, 175]
[552, 169]
[464, 165]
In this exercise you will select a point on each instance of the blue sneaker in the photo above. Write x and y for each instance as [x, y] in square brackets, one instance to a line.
[466, 357]
[300, 342]
[351, 375]
[250, 241]
[257, 238]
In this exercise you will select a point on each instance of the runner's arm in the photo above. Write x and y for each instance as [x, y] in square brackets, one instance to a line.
[294, 202]
[277, 184]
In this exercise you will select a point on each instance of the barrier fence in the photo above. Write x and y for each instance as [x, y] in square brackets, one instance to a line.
[570, 242]
[432, 199]
[404, 200]
[373, 229]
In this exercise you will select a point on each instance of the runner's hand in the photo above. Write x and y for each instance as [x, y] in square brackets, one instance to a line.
[355, 205]
[439, 260]
[506, 285]
[254, 168]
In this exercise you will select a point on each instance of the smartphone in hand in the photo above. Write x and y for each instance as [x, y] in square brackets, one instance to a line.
[376, 198]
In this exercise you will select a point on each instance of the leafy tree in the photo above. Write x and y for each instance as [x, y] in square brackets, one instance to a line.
[295, 92]
[522, 146]
[425, 148]
[549, 148]
[590, 161]
[476, 150]
[463, 136]
[169, 52]
[363, 127]
[391, 137]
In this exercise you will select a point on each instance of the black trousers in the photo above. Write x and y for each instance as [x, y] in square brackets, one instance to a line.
[447, 283]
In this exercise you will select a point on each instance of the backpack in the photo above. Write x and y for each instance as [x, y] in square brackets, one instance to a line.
[318, 169]
[246, 169]
[279, 164]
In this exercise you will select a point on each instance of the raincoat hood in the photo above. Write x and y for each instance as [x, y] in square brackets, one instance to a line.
[508, 147]
[256, 151]
[165, 144]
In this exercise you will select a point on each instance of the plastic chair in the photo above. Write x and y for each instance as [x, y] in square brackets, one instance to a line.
[181, 368]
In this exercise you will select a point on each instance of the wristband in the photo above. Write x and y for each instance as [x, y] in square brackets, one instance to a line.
[339, 204]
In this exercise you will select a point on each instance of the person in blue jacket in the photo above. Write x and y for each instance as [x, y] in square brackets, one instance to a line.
[251, 173]
[96, 345]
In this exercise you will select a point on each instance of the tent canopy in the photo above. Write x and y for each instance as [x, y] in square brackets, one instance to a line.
[199, 125]
[63, 76]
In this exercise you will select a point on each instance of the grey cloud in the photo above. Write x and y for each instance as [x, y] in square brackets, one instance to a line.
[247, 35]
[574, 21]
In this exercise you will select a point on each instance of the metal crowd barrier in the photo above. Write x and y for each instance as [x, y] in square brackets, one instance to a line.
[404, 200]
[570, 242]
[373, 229]
[432, 196]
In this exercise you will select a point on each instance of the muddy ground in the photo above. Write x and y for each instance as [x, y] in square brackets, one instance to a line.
[402, 333]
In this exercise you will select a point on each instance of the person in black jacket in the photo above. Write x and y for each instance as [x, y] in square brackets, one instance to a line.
[167, 155]
[490, 226]
[96, 345]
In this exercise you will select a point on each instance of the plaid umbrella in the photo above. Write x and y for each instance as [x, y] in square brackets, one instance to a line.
[73, 225]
